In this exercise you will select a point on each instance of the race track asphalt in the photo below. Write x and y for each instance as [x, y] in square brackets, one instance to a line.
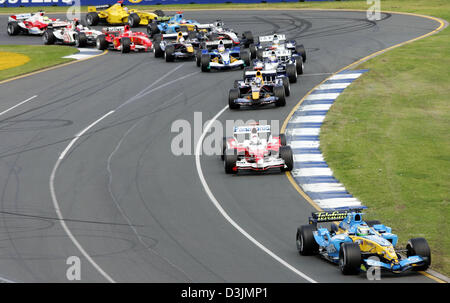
[140, 212]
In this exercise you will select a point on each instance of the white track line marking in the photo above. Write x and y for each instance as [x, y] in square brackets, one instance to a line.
[56, 204]
[4, 280]
[141, 94]
[17, 105]
[224, 213]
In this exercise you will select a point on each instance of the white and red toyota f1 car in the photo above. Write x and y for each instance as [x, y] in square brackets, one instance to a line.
[31, 24]
[259, 151]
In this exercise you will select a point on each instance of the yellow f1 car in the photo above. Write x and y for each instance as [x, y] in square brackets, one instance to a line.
[120, 14]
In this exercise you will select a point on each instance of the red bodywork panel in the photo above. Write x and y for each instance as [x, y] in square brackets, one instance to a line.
[137, 38]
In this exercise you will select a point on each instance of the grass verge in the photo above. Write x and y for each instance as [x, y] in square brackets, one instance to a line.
[41, 56]
[387, 137]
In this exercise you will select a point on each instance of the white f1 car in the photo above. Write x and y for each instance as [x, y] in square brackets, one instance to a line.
[31, 24]
[278, 42]
[218, 31]
[74, 34]
[259, 151]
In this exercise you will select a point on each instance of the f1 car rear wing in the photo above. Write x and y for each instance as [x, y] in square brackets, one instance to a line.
[278, 53]
[281, 37]
[173, 36]
[57, 24]
[264, 73]
[331, 216]
[205, 26]
[95, 8]
[247, 129]
[215, 44]
[20, 17]
[113, 29]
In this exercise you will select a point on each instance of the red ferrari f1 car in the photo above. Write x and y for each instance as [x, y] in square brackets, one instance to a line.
[121, 38]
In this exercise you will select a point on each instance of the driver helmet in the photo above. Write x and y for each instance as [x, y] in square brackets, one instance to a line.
[273, 58]
[221, 48]
[126, 28]
[45, 19]
[275, 40]
[254, 138]
[362, 230]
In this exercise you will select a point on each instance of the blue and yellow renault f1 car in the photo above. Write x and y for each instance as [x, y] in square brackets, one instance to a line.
[175, 24]
[355, 243]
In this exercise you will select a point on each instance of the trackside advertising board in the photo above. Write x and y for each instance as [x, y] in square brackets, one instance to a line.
[17, 3]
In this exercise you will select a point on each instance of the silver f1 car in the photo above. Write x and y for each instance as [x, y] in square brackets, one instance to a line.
[281, 61]
[73, 34]
[278, 42]
[259, 151]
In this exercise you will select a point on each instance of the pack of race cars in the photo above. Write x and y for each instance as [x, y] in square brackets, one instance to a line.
[269, 64]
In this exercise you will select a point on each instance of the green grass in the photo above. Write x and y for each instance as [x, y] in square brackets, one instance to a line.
[387, 138]
[41, 56]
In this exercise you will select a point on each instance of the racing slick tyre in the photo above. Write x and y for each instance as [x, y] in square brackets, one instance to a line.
[101, 42]
[248, 36]
[371, 223]
[204, 62]
[278, 91]
[287, 86]
[300, 49]
[126, 45]
[349, 258]
[253, 50]
[419, 247]
[230, 159]
[134, 20]
[48, 37]
[169, 53]
[259, 54]
[92, 19]
[287, 156]
[236, 84]
[291, 72]
[157, 50]
[198, 58]
[80, 40]
[13, 28]
[299, 66]
[159, 13]
[306, 244]
[152, 29]
[283, 140]
[157, 38]
[224, 147]
[246, 57]
[232, 96]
